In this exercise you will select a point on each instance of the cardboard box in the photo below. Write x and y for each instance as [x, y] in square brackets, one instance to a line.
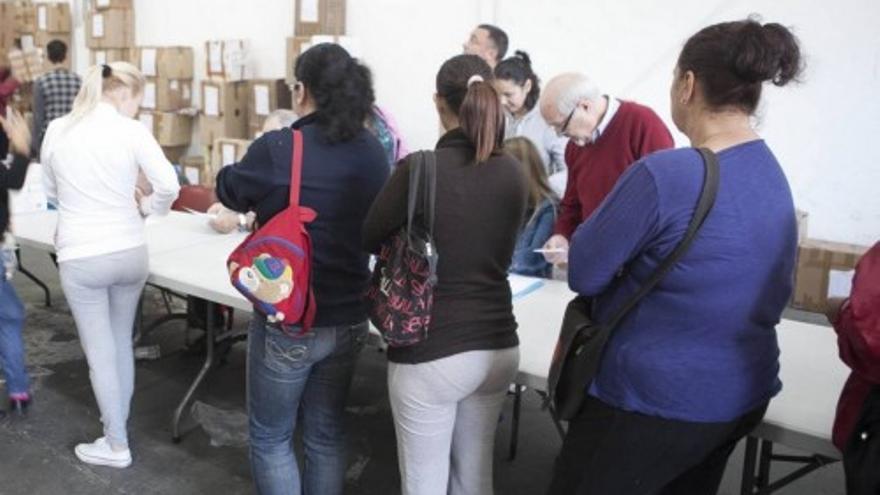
[824, 270]
[28, 65]
[166, 95]
[227, 151]
[196, 170]
[169, 62]
[112, 4]
[53, 17]
[8, 28]
[25, 16]
[112, 28]
[175, 153]
[228, 60]
[170, 129]
[319, 17]
[265, 96]
[224, 111]
[110, 55]
[298, 44]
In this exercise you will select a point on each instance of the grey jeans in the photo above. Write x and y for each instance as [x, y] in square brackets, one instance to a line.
[445, 416]
[103, 293]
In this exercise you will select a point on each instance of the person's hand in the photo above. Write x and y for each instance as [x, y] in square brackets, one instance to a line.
[556, 250]
[139, 196]
[832, 308]
[16, 128]
[225, 221]
[215, 208]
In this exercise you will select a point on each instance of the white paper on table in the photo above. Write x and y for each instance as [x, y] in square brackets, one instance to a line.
[192, 175]
[261, 99]
[98, 26]
[148, 62]
[27, 42]
[308, 11]
[840, 282]
[215, 57]
[149, 100]
[212, 101]
[147, 120]
[42, 18]
[228, 154]
[100, 57]
[522, 286]
[201, 213]
[102, 3]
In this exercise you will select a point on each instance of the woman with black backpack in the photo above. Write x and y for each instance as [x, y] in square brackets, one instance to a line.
[447, 390]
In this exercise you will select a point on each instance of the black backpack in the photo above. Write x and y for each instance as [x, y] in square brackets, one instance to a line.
[861, 457]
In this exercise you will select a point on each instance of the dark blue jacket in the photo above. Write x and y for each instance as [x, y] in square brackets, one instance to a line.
[339, 181]
[533, 236]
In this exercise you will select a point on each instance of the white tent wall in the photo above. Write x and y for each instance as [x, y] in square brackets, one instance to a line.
[821, 130]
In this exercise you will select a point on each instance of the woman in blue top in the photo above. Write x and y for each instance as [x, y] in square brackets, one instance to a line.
[691, 370]
[540, 215]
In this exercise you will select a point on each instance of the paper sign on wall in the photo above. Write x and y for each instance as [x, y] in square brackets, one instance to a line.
[27, 42]
[148, 62]
[102, 3]
[212, 101]
[98, 26]
[42, 18]
[308, 11]
[147, 120]
[228, 154]
[149, 100]
[261, 99]
[215, 57]
[187, 92]
[840, 282]
[100, 57]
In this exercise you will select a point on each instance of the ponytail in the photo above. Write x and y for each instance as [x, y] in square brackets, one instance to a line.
[101, 79]
[464, 83]
[482, 119]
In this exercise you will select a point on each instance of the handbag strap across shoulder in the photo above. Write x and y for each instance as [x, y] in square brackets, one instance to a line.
[704, 206]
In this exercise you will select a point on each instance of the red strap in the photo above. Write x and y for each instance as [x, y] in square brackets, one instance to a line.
[296, 169]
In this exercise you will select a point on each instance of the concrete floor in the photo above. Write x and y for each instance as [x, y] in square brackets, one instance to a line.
[36, 452]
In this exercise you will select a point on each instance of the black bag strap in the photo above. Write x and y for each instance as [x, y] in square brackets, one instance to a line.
[422, 180]
[704, 206]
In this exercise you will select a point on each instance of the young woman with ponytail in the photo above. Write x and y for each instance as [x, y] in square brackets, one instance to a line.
[447, 391]
[520, 90]
[307, 377]
[91, 159]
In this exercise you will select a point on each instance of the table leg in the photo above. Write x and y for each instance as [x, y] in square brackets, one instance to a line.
[514, 425]
[209, 360]
[766, 457]
[24, 271]
[749, 464]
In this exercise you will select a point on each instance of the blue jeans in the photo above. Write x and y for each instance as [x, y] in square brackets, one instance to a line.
[307, 378]
[11, 346]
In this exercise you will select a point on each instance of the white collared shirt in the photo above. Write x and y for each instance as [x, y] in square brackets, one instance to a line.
[610, 112]
[90, 170]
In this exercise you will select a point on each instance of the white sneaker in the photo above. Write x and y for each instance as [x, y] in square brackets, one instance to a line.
[99, 453]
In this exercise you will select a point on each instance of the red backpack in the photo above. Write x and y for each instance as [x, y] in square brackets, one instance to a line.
[272, 266]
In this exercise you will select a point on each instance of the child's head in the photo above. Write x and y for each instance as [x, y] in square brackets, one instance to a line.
[524, 150]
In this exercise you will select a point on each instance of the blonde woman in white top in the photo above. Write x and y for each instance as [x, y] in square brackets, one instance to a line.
[91, 159]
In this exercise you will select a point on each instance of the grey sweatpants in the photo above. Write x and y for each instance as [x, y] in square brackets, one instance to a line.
[103, 293]
[445, 416]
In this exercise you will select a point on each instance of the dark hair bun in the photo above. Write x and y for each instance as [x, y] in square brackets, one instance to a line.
[524, 57]
[766, 53]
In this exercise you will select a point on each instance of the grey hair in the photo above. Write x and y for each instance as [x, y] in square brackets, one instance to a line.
[285, 117]
[580, 87]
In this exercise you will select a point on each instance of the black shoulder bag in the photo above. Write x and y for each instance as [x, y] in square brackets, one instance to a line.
[582, 340]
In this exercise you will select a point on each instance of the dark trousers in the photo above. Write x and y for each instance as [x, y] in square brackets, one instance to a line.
[4, 144]
[608, 451]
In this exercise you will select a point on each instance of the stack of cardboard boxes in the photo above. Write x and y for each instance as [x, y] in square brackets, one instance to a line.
[317, 21]
[110, 31]
[264, 97]
[167, 96]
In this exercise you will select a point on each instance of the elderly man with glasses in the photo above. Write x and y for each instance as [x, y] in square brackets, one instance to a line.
[606, 136]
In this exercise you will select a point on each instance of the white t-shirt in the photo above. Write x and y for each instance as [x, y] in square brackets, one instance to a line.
[90, 172]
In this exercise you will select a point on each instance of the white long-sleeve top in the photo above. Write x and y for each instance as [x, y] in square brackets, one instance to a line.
[90, 170]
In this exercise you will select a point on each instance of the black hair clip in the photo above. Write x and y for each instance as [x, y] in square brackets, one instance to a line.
[106, 71]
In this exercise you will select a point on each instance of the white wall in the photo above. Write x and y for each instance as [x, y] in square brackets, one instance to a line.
[821, 130]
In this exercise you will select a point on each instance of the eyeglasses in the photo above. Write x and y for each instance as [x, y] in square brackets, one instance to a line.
[564, 127]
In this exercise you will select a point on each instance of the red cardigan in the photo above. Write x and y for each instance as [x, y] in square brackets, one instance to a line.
[634, 131]
[858, 337]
